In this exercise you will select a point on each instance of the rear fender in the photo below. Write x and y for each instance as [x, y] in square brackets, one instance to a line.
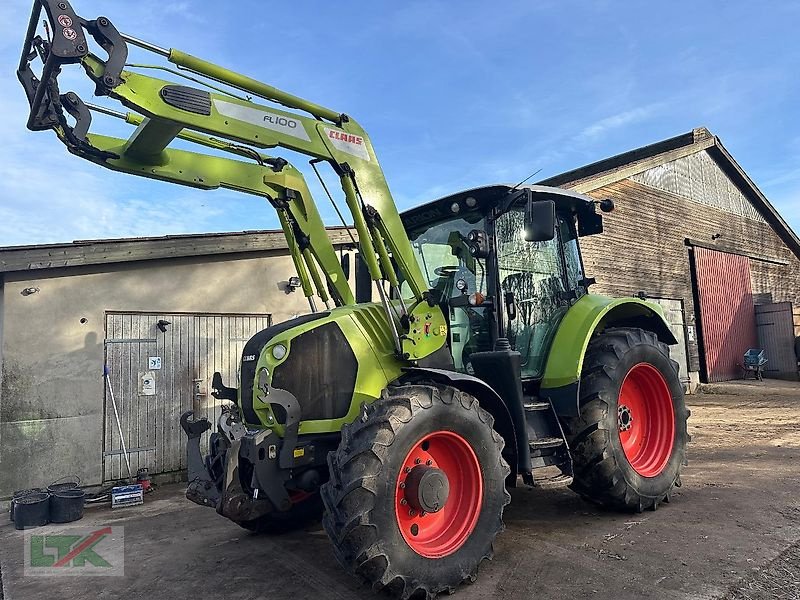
[588, 316]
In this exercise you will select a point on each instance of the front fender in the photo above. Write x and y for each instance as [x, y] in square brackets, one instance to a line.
[592, 313]
[490, 401]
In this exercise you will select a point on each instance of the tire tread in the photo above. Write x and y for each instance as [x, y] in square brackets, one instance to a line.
[598, 476]
[347, 520]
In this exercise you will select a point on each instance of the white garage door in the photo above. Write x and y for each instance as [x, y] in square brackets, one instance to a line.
[157, 375]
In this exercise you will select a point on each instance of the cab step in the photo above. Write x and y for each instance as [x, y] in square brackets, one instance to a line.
[533, 406]
[547, 442]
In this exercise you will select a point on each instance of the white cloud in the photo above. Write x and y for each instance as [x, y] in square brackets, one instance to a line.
[618, 120]
[786, 177]
[48, 195]
[55, 197]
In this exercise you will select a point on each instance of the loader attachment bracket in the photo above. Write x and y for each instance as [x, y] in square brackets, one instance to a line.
[201, 489]
[222, 392]
[66, 44]
[83, 118]
[110, 40]
[249, 463]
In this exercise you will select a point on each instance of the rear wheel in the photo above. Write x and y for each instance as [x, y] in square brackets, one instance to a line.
[629, 442]
[416, 490]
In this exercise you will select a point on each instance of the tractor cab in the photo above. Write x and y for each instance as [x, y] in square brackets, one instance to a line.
[504, 262]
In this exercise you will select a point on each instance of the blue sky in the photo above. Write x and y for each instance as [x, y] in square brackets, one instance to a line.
[453, 95]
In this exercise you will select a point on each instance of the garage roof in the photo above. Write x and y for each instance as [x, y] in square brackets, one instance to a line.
[92, 252]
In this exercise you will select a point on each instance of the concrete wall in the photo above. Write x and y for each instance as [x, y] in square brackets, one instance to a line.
[51, 398]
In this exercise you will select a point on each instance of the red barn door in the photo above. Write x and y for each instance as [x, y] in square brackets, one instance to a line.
[727, 314]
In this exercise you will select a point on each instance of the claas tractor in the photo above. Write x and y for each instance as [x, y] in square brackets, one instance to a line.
[467, 354]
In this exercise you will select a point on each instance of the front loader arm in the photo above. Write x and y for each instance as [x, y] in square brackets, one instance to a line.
[164, 111]
[345, 146]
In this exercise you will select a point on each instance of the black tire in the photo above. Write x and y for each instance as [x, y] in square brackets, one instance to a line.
[360, 495]
[299, 515]
[603, 473]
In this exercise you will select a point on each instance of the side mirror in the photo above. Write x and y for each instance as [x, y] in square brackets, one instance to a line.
[540, 220]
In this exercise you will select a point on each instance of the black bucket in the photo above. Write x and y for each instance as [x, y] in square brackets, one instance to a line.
[65, 483]
[20, 494]
[67, 505]
[32, 510]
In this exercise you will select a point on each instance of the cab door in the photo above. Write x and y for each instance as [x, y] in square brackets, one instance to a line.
[536, 274]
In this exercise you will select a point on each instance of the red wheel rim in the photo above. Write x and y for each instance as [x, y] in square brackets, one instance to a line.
[646, 420]
[437, 534]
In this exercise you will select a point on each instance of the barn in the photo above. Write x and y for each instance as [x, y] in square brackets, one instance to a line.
[690, 231]
[693, 232]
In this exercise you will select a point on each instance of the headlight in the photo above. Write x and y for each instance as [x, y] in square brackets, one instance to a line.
[278, 351]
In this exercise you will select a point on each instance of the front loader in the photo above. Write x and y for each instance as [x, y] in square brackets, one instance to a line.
[403, 421]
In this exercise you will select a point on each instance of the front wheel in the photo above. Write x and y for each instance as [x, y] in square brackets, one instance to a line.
[629, 442]
[417, 490]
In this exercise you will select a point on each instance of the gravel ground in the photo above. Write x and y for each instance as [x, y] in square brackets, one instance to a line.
[779, 580]
[731, 532]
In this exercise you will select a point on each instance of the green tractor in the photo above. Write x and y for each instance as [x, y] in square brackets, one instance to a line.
[404, 421]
